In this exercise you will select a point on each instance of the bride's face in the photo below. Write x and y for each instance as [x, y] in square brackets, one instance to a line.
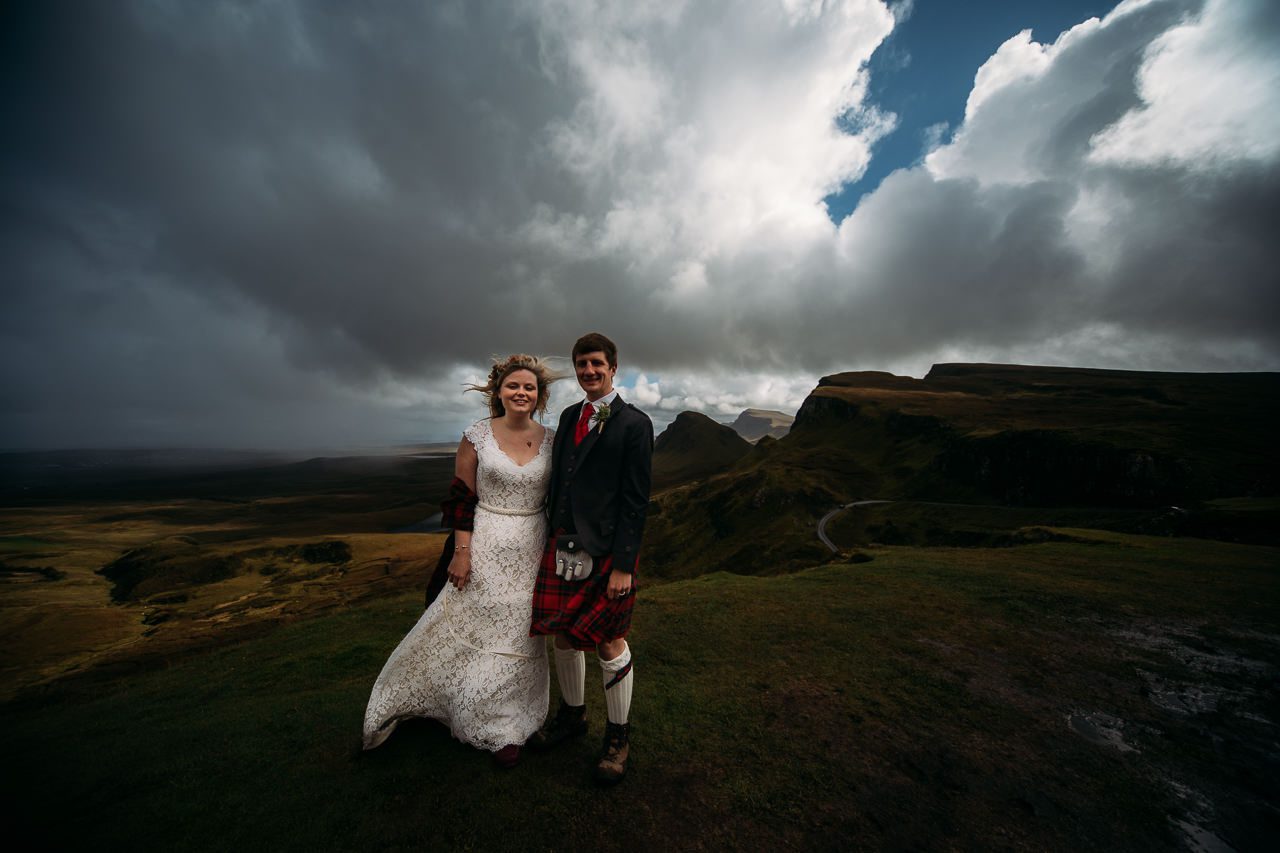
[519, 392]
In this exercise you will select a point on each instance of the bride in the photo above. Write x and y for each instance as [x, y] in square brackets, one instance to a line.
[470, 662]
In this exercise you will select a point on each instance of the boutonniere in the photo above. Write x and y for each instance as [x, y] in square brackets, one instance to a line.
[602, 414]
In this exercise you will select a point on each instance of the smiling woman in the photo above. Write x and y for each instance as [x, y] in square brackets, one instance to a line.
[470, 662]
[521, 370]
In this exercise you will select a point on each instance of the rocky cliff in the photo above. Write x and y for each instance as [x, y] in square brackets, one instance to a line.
[976, 434]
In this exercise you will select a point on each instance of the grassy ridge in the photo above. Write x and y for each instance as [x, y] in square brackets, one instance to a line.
[983, 434]
[931, 698]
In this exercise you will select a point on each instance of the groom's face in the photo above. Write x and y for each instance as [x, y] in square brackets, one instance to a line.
[595, 374]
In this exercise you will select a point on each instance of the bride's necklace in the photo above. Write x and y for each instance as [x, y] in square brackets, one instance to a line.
[528, 443]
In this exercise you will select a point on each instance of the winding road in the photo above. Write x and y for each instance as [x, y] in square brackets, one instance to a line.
[822, 525]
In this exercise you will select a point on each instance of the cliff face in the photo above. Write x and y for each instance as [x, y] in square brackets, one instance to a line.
[1047, 468]
[819, 411]
[975, 435]
[1045, 435]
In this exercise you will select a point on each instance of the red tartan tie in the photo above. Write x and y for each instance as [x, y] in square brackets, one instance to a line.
[584, 424]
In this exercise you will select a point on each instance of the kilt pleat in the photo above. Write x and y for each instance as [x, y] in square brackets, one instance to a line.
[580, 610]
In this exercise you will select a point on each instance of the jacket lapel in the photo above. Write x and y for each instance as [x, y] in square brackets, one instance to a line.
[593, 435]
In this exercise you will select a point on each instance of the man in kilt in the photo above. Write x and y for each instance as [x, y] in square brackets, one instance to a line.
[599, 494]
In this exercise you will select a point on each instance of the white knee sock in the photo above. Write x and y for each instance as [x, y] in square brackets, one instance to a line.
[618, 680]
[571, 671]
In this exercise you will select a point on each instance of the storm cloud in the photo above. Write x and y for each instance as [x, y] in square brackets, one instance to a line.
[309, 223]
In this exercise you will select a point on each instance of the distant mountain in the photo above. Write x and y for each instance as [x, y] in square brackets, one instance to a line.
[755, 424]
[694, 446]
[1007, 435]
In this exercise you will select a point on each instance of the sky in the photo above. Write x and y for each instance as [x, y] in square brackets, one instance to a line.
[309, 224]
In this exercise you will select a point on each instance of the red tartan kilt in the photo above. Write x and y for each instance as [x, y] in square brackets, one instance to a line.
[580, 610]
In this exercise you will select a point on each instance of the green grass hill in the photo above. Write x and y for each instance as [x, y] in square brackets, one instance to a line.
[1109, 693]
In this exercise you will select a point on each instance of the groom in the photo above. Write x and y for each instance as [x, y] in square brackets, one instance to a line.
[599, 493]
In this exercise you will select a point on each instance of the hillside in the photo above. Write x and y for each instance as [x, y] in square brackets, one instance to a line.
[694, 446]
[755, 424]
[1006, 435]
[109, 565]
[1112, 694]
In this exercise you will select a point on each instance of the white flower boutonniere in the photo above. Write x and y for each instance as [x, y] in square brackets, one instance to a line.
[602, 414]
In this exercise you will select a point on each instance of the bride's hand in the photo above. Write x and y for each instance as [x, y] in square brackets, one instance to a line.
[460, 568]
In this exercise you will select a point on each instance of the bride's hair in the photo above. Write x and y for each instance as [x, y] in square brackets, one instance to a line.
[504, 367]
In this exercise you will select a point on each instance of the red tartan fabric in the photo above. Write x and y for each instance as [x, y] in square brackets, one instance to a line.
[459, 509]
[579, 610]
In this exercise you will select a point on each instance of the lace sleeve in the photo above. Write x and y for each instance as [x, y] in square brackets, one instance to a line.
[478, 433]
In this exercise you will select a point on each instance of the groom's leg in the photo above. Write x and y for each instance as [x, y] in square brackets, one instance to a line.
[618, 679]
[571, 672]
[615, 665]
[570, 719]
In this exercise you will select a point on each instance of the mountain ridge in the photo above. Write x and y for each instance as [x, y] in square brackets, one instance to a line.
[1005, 435]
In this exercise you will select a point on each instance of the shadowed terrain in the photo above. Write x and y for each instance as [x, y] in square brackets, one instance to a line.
[1123, 443]
[1059, 633]
[1114, 692]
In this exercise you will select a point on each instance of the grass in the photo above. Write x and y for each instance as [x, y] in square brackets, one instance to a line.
[925, 699]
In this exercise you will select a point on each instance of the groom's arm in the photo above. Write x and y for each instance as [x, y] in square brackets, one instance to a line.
[633, 492]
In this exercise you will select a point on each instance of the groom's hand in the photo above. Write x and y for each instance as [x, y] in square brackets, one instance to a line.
[619, 585]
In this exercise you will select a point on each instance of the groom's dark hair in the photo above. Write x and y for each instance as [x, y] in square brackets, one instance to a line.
[595, 342]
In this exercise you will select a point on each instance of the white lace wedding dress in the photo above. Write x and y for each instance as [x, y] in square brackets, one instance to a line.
[470, 662]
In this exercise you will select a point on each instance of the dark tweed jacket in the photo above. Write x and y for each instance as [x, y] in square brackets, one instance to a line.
[600, 488]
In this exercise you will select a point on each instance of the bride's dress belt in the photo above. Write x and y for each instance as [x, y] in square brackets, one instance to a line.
[502, 510]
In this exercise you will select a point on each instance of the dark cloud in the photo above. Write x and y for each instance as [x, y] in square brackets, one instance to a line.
[309, 223]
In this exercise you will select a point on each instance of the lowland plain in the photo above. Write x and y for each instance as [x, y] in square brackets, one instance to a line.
[1061, 630]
